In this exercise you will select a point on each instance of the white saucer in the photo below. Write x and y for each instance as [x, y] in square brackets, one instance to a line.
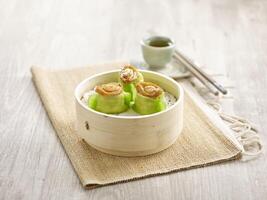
[173, 69]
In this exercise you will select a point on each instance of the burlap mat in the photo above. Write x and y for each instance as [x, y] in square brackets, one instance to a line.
[200, 143]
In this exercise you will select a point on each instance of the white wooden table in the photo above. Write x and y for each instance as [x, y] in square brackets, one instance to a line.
[227, 36]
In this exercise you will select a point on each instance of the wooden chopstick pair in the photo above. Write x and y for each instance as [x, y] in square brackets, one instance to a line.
[204, 78]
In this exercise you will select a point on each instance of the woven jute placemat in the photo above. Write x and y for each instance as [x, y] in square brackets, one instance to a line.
[201, 142]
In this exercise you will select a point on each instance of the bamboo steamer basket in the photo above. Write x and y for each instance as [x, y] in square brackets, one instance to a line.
[130, 135]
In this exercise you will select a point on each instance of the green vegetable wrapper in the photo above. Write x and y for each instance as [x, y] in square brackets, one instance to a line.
[110, 98]
[129, 77]
[149, 99]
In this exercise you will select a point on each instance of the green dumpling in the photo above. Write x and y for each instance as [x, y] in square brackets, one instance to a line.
[129, 77]
[109, 98]
[149, 99]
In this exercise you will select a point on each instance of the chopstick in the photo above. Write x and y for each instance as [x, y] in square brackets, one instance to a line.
[201, 79]
[199, 74]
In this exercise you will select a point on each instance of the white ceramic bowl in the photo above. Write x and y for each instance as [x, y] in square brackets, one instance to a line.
[130, 135]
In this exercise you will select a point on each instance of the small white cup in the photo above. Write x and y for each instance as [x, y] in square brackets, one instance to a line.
[155, 53]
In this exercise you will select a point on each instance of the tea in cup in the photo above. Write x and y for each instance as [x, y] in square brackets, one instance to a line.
[157, 50]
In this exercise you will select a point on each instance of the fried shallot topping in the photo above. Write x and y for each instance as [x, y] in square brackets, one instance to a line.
[149, 89]
[109, 89]
[128, 74]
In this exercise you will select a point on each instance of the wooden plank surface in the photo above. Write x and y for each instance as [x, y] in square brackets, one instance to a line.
[227, 36]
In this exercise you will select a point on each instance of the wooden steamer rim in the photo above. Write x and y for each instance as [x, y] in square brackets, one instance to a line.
[81, 84]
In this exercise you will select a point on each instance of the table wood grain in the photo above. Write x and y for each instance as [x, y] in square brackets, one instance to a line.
[228, 37]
